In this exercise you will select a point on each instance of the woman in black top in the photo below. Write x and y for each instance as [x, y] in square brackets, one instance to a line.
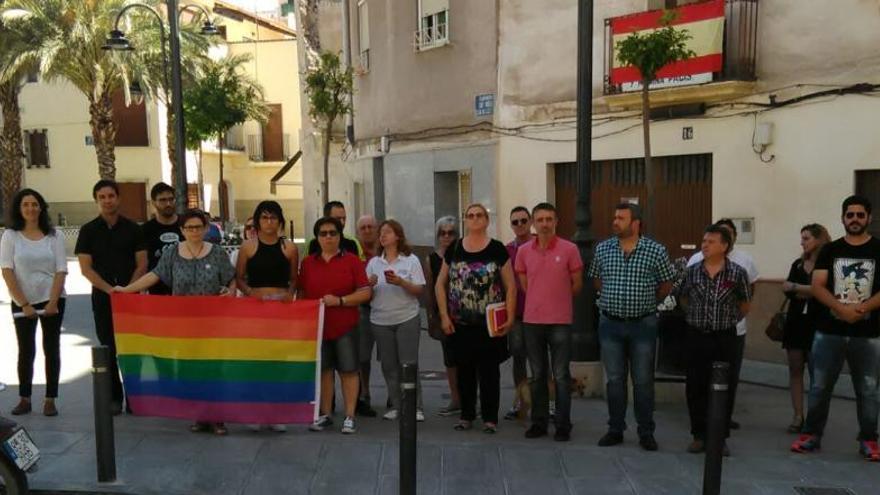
[800, 322]
[445, 234]
[268, 264]
[476, 272]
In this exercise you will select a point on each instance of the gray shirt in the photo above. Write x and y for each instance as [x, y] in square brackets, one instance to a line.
[195, 277]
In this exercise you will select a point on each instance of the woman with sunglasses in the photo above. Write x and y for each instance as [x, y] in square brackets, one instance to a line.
[338, 279]
[267, 263]
[445, 234]
[476, 272]
[396, 276]
[193, 267]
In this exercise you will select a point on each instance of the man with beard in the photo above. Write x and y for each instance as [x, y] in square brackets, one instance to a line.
[161, 231]
[846, 283]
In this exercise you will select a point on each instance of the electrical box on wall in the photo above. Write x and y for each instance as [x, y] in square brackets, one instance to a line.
[745, 228]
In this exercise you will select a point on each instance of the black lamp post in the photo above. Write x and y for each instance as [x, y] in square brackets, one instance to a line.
[118, 41]
[585, 338]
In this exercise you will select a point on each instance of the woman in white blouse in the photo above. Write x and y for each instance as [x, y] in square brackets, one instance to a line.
[398, 281]
[34, 266]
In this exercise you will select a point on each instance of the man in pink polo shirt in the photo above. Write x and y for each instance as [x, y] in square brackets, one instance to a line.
[551, 272]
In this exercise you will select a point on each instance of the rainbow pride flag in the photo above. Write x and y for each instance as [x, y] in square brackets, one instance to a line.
[238, 360]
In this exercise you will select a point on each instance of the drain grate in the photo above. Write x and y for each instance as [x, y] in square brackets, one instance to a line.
[815, 490]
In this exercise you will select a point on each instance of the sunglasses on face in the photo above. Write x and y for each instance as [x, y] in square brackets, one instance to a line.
[472, 216]
[327, 233]
[193, 228]
[856, 214]
[444, 233]
[521, 221]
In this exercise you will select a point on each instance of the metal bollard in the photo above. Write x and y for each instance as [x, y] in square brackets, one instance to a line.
[716, 427]
[408, 436]
[105, 448]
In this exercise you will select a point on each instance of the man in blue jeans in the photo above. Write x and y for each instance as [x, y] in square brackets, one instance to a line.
[846, 283]
[550, 272]
[632, 273]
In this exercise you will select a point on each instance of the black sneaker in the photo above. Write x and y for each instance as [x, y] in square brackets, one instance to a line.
[611, 438]
[563, 434]
[648, 443]
[363, 409]
[536, 431]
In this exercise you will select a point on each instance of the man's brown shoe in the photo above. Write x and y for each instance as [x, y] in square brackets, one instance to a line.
[49, 408]
[697, 447]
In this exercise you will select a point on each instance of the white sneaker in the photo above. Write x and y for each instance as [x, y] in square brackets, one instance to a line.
[348, 426]
[321, 423]
[552, 409]
[391, 415]
[420, 416]
[278, 428]
[254, 428]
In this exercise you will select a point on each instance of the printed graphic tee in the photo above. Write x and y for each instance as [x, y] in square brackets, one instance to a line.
[158, 236]
[853, 279]
[474, 281]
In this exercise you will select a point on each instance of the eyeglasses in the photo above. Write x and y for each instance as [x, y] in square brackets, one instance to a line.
[444, 233]
[856, 214]
[328, 233]
[521, 221]
[475, 215]
[193, 228]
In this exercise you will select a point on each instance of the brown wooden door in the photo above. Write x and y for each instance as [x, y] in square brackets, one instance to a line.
[133, 200]
[683, 189]
[273, 135]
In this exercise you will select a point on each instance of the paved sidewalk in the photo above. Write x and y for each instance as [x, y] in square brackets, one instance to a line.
[157, 456]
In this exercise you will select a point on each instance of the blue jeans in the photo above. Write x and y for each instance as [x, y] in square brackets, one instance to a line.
[629, 348]
[863, 356]
[556, 338]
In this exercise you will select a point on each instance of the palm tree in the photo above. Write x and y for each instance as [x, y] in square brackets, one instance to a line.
[74, 32]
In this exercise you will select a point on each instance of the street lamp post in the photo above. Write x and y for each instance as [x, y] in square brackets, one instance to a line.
[585, 341]
[117, 41]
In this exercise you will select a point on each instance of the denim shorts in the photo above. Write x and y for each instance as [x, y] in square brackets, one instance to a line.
[341, 354]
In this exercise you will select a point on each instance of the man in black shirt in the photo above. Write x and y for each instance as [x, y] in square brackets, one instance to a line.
[161, 231]
[111, 251]
[846, 283]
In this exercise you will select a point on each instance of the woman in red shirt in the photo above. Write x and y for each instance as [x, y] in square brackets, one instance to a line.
[339, 280]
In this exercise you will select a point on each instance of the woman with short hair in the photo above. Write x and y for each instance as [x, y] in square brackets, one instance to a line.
[34, 267]
[338, 279]
[396, 276]
[194, 267]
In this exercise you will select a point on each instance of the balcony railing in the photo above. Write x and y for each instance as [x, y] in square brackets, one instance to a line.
[431, 37]
[257, 153]
[739, 48]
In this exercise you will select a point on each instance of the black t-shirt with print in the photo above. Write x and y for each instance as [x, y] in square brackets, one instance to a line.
[158, 236]
[474, 280]
[853, 279]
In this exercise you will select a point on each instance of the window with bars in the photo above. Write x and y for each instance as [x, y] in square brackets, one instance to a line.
[433, 28]
[363, 19]
[36, 142]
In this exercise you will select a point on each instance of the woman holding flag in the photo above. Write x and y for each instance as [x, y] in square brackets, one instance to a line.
[193, 267]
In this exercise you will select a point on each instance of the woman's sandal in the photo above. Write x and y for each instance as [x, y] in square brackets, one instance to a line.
[490, 428]
[463, 425]
[795, 426]
[219, 429]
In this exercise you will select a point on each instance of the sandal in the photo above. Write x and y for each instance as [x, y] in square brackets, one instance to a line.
[200, 427]
[490, 428]
[220, 429]
[463, 425]
[796, 425]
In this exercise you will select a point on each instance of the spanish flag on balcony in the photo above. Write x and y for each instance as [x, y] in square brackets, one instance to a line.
[239, 360]
[705, 23]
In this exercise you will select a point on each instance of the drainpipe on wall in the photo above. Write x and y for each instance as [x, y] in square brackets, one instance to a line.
[346, 56]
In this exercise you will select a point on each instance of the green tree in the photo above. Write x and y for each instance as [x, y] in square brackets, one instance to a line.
[650, 52]
[329, 86]
[224, 96]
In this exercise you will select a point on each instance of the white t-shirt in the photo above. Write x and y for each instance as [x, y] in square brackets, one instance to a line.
[392, 305]
[742, 259]
[35, 263]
